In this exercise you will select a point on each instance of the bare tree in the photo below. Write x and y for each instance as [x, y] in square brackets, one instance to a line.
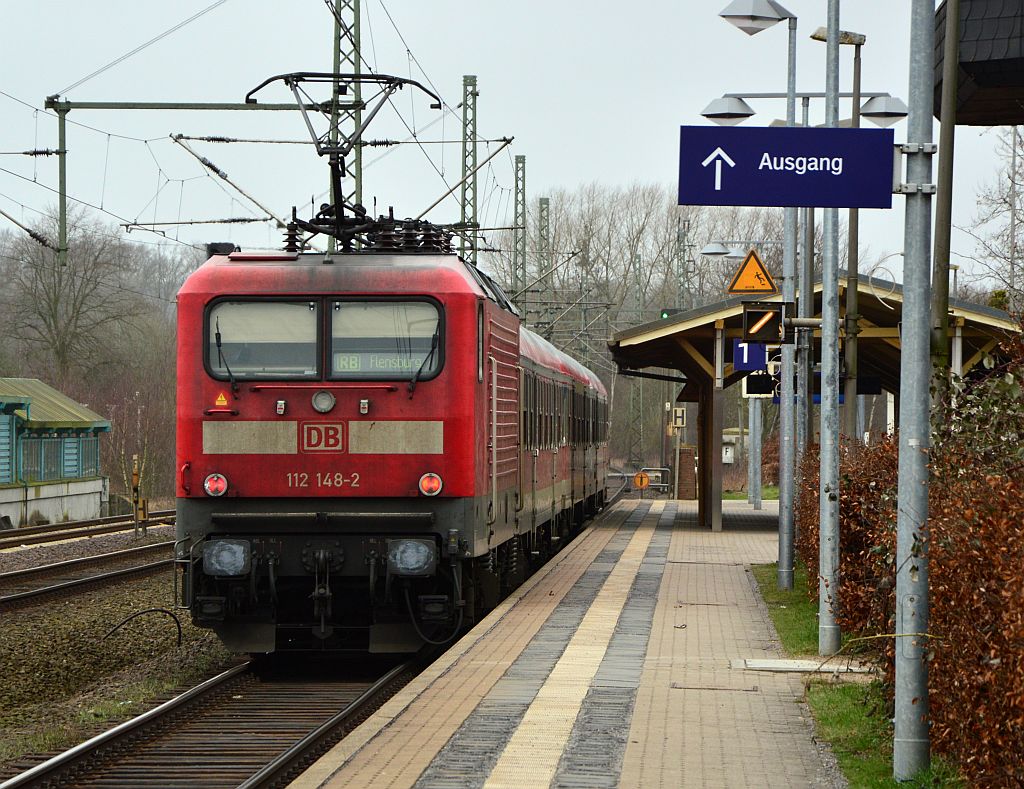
[996, 227]
[64, 315]
[615, 255]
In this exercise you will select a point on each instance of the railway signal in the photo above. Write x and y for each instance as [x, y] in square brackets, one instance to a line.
[762, 321]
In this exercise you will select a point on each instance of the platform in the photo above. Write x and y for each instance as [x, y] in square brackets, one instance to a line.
[620, 663]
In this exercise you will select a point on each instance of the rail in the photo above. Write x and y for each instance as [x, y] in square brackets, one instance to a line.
[92, 579]
[285, 762]
[65, 761]
[37, 535]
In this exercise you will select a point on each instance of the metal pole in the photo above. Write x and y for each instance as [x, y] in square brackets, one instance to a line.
[750, 454]
[675, 466]
[852, 260]
[519, 228]
[755, 450]
[1013, 218]
[807, 311]
[335, 99]
[62, 185]
[467, 244]
[911, 740]
[803, 289]
[828, 474]
[787, 442]
[944, 201]
[682, 232]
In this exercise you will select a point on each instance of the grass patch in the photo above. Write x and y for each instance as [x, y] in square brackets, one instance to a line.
[852, 717]
[794, 614]
[767, 492]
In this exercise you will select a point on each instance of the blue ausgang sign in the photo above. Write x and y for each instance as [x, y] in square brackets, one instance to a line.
[779, 166]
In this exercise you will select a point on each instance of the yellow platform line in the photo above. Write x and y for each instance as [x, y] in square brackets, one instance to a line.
[532, 754]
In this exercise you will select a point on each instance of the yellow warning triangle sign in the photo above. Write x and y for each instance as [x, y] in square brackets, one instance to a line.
[752, 277]
[221, 399]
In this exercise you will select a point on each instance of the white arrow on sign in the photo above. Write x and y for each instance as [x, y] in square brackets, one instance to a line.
[718, 156]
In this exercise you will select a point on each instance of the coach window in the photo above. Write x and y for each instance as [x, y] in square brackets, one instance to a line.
[534, 413]
[566, 393]
[545, 421]
[385, 340]
[480, 342]
[263, 339]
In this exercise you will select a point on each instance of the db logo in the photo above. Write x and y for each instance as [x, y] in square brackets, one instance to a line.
[323, 437]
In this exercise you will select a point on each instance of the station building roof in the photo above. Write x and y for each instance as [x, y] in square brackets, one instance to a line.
[41, 407]
[685, 341]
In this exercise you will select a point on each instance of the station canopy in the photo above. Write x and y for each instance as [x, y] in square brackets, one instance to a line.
[685, 341]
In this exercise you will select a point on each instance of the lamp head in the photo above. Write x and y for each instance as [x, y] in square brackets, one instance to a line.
[845, 37]
[884, 110]
[753, 16]
[715, 249]
[728, 111]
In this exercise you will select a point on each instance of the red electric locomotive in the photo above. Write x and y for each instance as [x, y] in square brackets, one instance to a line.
[372, 450]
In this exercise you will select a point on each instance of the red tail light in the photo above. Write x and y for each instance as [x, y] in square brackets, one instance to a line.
[216, 485]
[430, 484]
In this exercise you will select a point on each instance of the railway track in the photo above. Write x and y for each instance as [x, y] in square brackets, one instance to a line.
[30, 584]
[247, 727]
[52, 532]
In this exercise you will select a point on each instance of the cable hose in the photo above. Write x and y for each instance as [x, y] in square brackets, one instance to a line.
[416, 627]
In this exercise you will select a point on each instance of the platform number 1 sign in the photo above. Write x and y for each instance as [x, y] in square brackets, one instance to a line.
[749, 355]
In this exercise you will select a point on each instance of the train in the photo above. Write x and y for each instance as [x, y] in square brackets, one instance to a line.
[372, 449]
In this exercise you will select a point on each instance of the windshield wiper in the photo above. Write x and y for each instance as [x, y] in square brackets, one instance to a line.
[433, 347]
[221, 360]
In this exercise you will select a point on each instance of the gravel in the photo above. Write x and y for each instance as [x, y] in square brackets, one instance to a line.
[62, 677]
[48, 553]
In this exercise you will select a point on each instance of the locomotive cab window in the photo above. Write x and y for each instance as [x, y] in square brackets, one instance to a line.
[385, 340]
[263, 339]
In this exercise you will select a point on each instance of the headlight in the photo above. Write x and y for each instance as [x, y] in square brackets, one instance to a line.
[323, 401]
[411, 557]
[215, 485]
[226, 557]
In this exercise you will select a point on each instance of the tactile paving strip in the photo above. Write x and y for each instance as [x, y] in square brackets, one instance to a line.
[535, 748]
[593, 755]
[468, 758]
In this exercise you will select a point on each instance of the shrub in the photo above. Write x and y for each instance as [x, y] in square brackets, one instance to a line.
[976, 565]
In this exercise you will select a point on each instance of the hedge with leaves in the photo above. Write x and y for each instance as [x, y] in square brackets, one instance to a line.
[975, 545]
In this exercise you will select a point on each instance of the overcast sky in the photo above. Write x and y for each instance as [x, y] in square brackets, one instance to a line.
[591, 92]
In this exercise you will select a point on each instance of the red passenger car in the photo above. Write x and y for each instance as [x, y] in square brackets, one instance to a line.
[372, 450]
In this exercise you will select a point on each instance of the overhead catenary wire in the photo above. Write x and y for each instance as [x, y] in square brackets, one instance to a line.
[238, 220]
[95, 207]
[39, 111]
[119, 288]
[141, 47]
[506, 142]
[94, 232]
[224, 176]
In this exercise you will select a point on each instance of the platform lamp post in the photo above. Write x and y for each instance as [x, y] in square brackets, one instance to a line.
[884, 112]
[753, 16]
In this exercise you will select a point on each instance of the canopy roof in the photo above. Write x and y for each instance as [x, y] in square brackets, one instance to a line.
[42, 407]
[685, 341]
